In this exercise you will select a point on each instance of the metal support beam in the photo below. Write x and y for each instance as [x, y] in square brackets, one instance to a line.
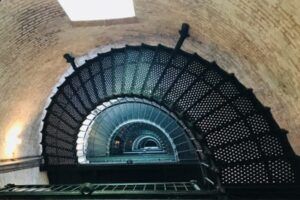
[184, 33]
[8, 165]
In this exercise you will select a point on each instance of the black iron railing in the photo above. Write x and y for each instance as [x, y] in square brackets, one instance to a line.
[121, 190]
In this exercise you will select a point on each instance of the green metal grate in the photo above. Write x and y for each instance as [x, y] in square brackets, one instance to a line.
[182, 189]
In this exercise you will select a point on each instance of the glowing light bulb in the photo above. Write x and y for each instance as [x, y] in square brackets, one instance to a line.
[12, 139]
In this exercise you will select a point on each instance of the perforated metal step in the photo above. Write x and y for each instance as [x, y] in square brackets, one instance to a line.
[237, 133]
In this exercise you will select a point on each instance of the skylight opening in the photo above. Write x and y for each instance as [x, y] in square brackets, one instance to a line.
[92, 10]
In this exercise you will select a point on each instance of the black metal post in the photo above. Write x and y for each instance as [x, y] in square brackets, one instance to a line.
[70, 59]
[184, 33]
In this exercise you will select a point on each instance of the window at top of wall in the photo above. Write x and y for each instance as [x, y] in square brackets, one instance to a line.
[92, 10]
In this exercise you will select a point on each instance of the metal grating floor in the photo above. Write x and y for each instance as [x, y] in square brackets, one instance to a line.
[103, 188]
[167, 189]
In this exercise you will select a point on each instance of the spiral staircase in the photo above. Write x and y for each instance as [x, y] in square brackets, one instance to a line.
[121, 129]
[196, 112]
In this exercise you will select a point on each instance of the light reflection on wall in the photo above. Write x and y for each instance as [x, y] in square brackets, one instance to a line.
[12, 140]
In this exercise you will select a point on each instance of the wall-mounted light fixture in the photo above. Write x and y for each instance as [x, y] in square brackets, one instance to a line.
[12, 139]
